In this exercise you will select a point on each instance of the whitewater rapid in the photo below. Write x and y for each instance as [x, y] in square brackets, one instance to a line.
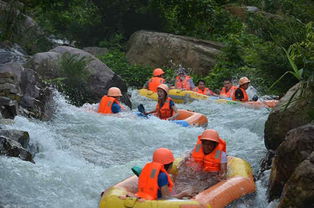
[81, 153]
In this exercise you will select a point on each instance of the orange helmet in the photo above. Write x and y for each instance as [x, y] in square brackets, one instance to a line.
[164, 87]
[163, 156]
[211, 135]
[114, 92]
[158, 72]
[243, 80]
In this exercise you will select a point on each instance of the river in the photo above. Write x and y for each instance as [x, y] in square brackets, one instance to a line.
[81, 153]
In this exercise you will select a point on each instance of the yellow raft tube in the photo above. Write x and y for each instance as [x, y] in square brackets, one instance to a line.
[183, 96]
[178, 96]
[239, 183]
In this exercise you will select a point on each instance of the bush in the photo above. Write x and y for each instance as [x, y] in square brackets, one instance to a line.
[73, 78]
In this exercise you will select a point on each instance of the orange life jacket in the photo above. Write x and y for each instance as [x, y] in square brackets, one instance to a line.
[245, 96]
[154, 82]
[106, 104]
[210, 162]
[229, 93]
[206, 91]
[185, 84]
[165, 111]
[148, 181]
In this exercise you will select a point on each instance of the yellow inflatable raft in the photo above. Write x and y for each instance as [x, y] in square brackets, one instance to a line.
[239, 183]
[178, 96]
[182, 96]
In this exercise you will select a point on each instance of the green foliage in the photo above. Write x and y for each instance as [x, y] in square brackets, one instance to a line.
[73, 78]
[133, 75]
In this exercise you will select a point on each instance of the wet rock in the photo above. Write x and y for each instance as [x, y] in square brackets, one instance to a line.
[266, 163]
[10, 53]
[96, 51]
[298, 146]
[12, 148]
[298, 191]
[298, 113]
[21, 137]
[100, 79]
[21, 92]
[160, 49]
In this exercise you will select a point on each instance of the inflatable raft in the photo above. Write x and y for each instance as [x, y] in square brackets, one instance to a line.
[182, 96]
[178, 96]
[239, 183]
[187, 118]
[192, 118]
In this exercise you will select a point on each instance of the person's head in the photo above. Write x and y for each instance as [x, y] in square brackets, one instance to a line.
[210, 140]
[227, 83]
[244, 82]
[158, 72]
[114, 92]
[181, 72]
[201, 84]
[162, 91]
[163, 156]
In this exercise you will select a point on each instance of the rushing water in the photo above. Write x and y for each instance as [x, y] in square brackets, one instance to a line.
[81, 153]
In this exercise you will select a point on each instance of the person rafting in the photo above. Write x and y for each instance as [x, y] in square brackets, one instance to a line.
[240, 93]
[205, 166]
[183, 81]
[165, 108]
[156, 80]
[228, 89]
[109, 103]
[154, 180]
[202, 89]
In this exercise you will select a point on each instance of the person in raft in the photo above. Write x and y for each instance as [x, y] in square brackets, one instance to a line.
[154, 181]
[202, 89]
[183, 81]
[155, 81]
[205, 166]
[110, 103]
[165, 108]
[228, 90]
[240, 93]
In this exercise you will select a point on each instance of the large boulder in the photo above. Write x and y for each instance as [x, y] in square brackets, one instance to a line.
[21, 92]
[96, 51]
[299, 112]
[21, 137]
[298, 145]
[298, 191]
[12, 148]
[160, 49]
[100, 77]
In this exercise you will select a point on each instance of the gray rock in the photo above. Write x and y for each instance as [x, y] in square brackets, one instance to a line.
[21, 137]
[298, 113]
[21, 92]
[100, 79]
[299, 189]
[12, 148]
[298, 146]
[159, 49]
[96, 51]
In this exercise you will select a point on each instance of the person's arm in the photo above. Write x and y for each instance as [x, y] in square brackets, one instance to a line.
[174, 108]
[192, 84]
[238, 95]
[146, 85]
[154, 111]
[223, 166]
[115, 108]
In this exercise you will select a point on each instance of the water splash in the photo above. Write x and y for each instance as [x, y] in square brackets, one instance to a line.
[81, 152]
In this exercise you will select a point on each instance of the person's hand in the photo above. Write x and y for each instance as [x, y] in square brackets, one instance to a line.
[222, 176]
